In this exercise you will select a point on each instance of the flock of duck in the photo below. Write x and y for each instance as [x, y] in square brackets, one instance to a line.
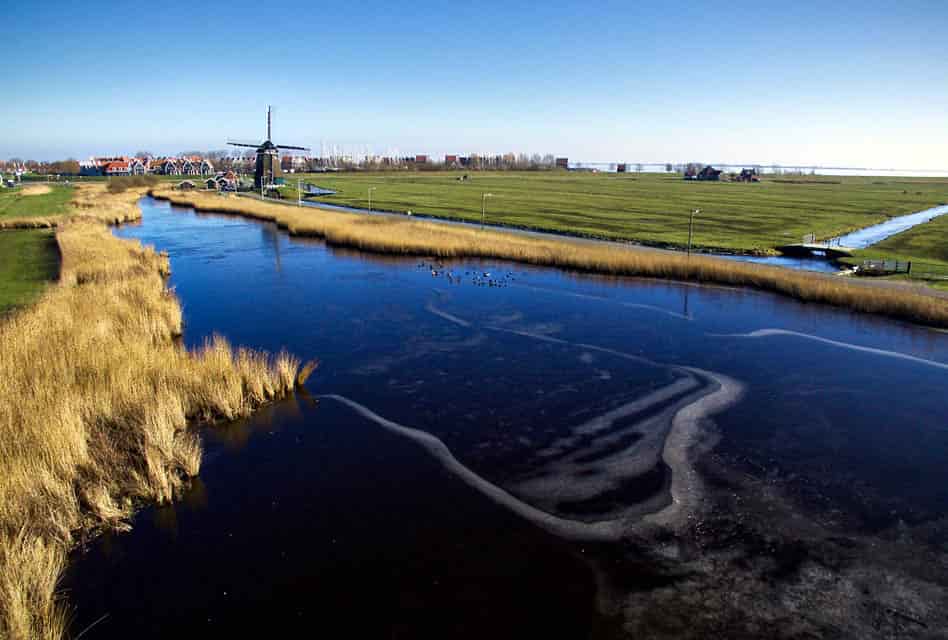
[477, 278]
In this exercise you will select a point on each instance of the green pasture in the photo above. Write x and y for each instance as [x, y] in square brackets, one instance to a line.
[651, 209]
[29, 260]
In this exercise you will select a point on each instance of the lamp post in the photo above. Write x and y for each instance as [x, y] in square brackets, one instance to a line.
[484, 207]
[371, 189]
[299, 192]
[691, 228]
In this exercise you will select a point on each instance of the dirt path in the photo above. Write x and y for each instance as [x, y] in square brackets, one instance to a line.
[35, 190]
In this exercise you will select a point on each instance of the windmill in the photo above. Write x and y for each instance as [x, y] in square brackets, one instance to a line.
[267, 171]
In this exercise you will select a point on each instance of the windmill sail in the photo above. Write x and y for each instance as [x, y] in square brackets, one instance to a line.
[267, 171]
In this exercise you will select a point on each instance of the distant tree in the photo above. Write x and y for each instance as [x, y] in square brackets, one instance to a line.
[638, 168]
[144, 154]
[669, 168]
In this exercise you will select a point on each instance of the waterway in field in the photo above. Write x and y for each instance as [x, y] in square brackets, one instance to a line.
[491, 450]
[877, 233]
[860, 239]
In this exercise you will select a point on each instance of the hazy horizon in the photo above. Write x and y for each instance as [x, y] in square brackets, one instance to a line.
[811, 84]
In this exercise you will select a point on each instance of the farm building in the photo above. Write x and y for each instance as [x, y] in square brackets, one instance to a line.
[748, 175]
[707, 173]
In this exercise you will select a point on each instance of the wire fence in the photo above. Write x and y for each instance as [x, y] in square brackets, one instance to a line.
[912, 268]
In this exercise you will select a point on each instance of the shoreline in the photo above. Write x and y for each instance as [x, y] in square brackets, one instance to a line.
[421, 238]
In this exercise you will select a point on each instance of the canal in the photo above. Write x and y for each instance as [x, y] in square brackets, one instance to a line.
[490, 450]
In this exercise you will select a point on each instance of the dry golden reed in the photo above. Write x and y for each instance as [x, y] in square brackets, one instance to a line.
[90, 200]
[403, 236]
[96, 398]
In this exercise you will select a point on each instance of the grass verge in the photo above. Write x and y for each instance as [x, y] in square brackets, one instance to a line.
[29, 260]
[400, 236]
[96, 398]
[34, 201]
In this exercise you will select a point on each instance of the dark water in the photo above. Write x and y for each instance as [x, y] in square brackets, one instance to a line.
[551, 396]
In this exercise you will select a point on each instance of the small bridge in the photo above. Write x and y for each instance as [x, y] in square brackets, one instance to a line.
[810, 247]
[816, 249]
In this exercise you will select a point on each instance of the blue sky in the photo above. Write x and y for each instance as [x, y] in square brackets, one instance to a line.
[862, 84]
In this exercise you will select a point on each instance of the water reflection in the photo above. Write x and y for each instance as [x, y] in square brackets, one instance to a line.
[271, 237]
[268, 420]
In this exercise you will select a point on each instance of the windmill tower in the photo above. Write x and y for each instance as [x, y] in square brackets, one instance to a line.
[267, 169]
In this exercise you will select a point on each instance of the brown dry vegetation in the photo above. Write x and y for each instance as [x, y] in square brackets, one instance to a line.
[36, 189]
[95, 402]
[404, 236]
[89, 200]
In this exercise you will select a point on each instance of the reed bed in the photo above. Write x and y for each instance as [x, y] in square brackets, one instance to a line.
[97, 405]
[391, 235]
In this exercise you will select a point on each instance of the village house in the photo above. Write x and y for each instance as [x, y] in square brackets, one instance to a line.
[224, 181]
[166, 167]
[139, 166]
[97, 166]
[196, 166]
[117, 168]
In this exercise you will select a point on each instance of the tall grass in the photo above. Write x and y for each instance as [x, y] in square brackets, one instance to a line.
[120, 184]
[91, 200]
[96, 398]
[403, 236]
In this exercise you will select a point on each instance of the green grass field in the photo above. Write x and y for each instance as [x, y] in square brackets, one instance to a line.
[28, 261]
[927, 241]
[648, 208]
[15, 202]
[926, 246]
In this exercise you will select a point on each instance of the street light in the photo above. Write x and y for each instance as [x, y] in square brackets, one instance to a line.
[484, 207]
[691, 228]
[299, 192]
[371, 189]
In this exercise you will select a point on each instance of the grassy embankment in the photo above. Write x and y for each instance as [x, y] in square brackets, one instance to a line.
[404, 236]
[648, 208]
[95, 403]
